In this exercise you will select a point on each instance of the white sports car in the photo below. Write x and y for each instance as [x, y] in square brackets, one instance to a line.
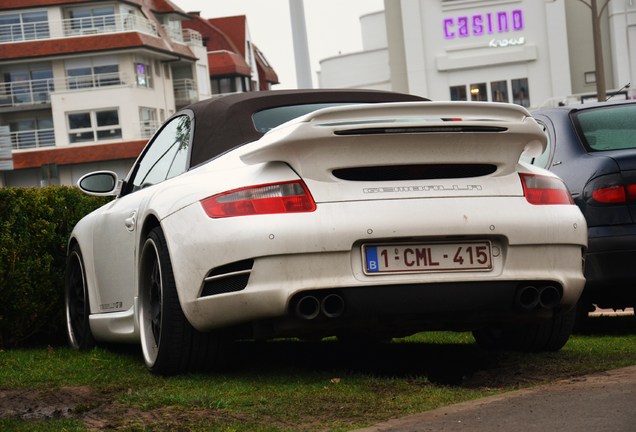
[361, 214]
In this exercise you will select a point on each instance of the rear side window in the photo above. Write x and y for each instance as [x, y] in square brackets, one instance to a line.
[608, 128]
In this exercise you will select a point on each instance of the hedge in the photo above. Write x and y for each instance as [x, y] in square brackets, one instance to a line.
[34, 231]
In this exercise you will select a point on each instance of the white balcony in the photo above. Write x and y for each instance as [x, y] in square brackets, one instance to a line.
[192, 37]
[148, 128]
[185, 92]
[107, 24]
[73, 27]
[93, 81]
[32, 92]
[31, 139]
[19, 93]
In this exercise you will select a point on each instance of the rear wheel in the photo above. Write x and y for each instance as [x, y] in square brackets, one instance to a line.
[76, 302]
[169, 343]
[545, 335]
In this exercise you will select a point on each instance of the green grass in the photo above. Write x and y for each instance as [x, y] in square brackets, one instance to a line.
[294, 386]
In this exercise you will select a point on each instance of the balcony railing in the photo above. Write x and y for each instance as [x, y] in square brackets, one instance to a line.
[175, 34]
[185, 91]
[92, 81]
[107, 24]
[26, 92]
[32, 139]
[24, 31]
[148, 128]
[39, 91]
[71, 27]
[192, 37]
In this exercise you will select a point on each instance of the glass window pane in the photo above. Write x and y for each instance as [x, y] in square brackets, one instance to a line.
[499, 91]
[458, 93]
[109, 134]
[609, 128]
[520, 93]
[79, 72]
[81, 137]
[166, 156]
[101, 11]
[478, 92]
[9, 19]
[31, 17]
[79, 121]
[107, 118]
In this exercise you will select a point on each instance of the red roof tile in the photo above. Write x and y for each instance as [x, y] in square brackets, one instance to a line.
[227, 63]
[235, 27]
[86, 44]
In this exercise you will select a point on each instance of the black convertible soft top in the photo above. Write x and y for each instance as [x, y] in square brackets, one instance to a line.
[225, 122]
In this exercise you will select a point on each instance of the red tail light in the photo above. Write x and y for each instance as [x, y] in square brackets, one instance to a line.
[287, 197]
[610, 195]
[545, 190]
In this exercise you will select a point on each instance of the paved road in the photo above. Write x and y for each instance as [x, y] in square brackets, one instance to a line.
[600, 402]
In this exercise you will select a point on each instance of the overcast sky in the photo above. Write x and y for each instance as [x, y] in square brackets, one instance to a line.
[333, 27]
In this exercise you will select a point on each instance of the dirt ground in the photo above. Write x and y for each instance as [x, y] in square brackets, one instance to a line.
[99, 409]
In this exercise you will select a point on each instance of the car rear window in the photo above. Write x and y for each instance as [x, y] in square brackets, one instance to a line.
[268, 119]
[609, 127]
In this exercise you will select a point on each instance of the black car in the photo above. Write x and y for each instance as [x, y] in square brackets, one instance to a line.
[593, 149]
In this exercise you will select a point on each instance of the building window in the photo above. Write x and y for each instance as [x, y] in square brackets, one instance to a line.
[149, 124]
[223, 85]
[92, 72]
[499, 91]
[520, 94]
[590, 77]
[458, 93]
[32, 133]
[27, 85]
[478, 92]
[231, 84]
[143, 75]
[24, 26]
[90, 20]
[93, 126]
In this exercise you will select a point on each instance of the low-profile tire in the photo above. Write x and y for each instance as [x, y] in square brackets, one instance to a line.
[76, 302]
[170, 344]
[490, 338]
[582, 316]
[542, 336]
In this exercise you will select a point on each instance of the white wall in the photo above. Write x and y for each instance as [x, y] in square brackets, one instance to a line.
[368, 69]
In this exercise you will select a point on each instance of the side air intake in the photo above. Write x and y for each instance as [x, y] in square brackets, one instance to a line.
[228, 278]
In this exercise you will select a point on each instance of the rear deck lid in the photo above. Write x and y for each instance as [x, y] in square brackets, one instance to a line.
[404, 150]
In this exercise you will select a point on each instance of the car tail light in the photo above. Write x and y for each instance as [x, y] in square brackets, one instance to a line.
[286, 197]
[610, 195]
[611, 189]
[542, 190]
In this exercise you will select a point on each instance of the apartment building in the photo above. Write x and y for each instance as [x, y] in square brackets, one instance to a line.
[235, 63]
[85, 84]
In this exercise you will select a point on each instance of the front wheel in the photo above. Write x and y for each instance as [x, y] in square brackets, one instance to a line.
[76, 302]
[542, 336]
[169, 343]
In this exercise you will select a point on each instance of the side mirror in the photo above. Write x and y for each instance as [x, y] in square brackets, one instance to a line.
[100, 183]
